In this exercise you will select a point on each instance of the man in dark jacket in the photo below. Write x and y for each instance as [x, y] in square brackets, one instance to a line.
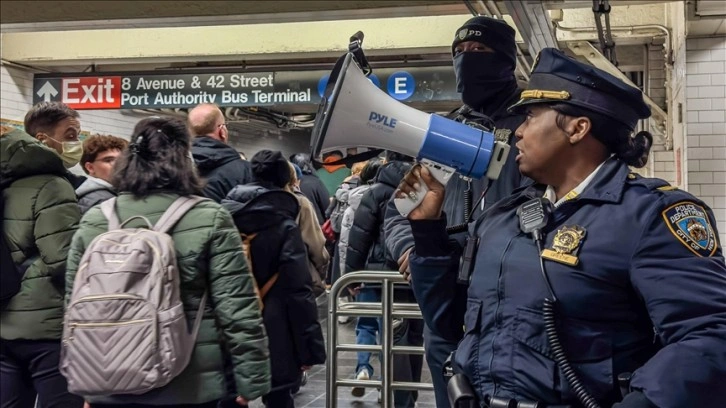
[99, 156]
[367, 250]
[217, 162]
[278, 252]
[484, 54]
[311, 186]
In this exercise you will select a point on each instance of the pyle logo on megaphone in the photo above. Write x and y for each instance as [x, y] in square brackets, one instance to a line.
[376, 119]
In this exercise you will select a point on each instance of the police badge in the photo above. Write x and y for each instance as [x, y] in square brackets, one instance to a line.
[565, 245]
[690, 224]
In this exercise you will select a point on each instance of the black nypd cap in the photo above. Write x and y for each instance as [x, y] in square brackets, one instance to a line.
[558, 78]
[493, 33]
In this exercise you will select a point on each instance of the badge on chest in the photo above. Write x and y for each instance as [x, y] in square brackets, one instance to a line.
[565, 245]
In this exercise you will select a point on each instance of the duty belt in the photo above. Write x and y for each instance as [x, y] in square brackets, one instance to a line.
[496, 402]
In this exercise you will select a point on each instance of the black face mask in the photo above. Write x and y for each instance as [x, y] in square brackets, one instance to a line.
[482, 76]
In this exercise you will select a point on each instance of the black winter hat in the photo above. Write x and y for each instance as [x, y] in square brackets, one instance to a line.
[496, 34]
[271, 166]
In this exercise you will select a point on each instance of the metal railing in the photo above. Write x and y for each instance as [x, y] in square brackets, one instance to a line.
[387, 310]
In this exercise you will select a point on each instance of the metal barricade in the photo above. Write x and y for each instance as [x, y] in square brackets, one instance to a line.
[387, 310]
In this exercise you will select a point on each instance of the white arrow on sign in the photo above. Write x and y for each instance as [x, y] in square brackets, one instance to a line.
[47, 91]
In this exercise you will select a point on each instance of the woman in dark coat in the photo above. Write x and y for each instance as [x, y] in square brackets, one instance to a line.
[278, 255]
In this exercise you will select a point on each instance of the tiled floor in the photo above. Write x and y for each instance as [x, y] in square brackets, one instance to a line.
[313, 394]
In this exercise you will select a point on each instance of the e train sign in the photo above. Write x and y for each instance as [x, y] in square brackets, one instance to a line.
[185, 90]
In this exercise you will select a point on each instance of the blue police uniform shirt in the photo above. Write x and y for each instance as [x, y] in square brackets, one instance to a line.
[647, 295]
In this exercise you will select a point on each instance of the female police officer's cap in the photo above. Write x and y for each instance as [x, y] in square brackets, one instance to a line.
[491, 32]
[558, 78]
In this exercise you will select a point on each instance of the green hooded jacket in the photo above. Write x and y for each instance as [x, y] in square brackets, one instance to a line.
[209, 257]
[40, 216]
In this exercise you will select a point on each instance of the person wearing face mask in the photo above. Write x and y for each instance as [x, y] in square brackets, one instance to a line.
[484, 59]
[592, 286]
[58, 127]
[40, 215]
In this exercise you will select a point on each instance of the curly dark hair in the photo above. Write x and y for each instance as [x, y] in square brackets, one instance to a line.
[44, 116]
[97, 144]
[158, 159]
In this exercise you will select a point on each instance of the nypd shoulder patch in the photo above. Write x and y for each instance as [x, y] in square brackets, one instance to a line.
[689, 222]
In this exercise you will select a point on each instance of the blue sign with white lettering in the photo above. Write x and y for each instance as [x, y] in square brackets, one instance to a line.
[322, 84]
[373, 78]
[401, 85]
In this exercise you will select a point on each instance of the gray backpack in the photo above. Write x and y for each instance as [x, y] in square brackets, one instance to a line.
[125, 331]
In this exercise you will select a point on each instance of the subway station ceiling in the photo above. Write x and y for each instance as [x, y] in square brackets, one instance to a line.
[62, 18]
[56, 11]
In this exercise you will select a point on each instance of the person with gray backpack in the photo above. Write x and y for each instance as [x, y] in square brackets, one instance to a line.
[160, 302]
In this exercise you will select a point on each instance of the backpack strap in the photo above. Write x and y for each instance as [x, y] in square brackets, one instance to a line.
[108, 208]
[268, 285]
[175, 212]
[200, 314]
[247, 249]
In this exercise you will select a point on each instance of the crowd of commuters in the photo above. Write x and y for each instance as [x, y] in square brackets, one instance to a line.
[248, 344]
[627, 275]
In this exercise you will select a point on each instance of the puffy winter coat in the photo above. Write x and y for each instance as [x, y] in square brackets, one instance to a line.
[210, 258]
[93, 191]
[40, 216]
[290, 312]
[220, 166]
[366, 246]
[354, 198]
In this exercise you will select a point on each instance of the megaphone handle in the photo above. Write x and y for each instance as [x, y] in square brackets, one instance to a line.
[408, 204]
[441, 173]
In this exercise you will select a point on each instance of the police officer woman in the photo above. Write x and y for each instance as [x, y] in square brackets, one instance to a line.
[630, 267]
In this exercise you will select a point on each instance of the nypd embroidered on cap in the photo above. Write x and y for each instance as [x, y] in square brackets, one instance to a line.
[690, 224]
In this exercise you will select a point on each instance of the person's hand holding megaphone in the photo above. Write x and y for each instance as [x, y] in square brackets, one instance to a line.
[433, 201]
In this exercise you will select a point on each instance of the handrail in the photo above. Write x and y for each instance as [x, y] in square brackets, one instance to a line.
[387, 310]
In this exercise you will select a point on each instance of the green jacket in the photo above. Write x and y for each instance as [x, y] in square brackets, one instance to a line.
[209, 256]
[333, 180]
[40, 216]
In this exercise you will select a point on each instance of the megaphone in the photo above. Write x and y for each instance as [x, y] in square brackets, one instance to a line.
[356, 113]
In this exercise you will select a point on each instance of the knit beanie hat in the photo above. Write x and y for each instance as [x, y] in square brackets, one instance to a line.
[271, 167]
[493, 33]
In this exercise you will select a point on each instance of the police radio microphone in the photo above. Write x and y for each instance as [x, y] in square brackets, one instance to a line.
[533, 217]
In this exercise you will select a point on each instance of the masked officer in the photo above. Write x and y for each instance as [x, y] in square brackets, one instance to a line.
[484, 55]
[631, 268]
